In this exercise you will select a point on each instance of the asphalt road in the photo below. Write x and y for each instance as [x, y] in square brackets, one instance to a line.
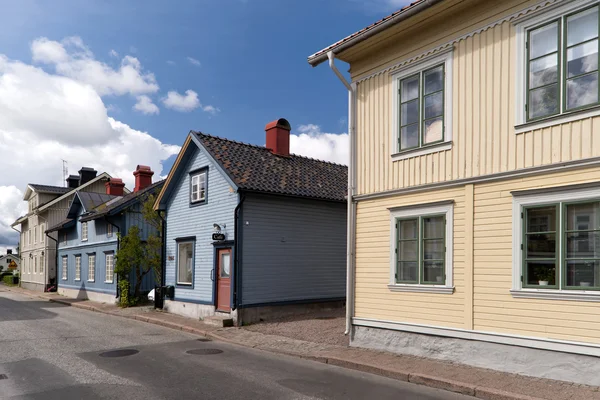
[49, 351]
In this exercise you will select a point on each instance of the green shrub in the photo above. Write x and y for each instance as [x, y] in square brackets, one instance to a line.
[10, 280]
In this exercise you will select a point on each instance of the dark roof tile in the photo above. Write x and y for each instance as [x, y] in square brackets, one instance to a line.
[49, 188]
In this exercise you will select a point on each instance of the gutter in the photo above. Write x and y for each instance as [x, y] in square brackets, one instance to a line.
[351, 208]
[322, 56]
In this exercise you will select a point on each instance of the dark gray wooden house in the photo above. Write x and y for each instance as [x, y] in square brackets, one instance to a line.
[251, 231]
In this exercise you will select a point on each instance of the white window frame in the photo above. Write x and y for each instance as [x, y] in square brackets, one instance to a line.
[77, 268]
[198, 177]
[424, 210]
[42, 262]
[109, 272]
[35, 235]
[193, 244]
[523, 25]
[41, 233]
[109, 229]
[65, 268]
[521, 201]
[84, 231]
[444, 57]
[91, 268]
[35, 264]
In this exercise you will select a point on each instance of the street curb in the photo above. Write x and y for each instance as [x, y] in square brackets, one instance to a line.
[405, 376]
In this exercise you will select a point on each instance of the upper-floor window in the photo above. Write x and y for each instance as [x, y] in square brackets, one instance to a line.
[42, 233]
[84, 231]
[198, 187]
[423, 106]
[34, 234]
[109, 230]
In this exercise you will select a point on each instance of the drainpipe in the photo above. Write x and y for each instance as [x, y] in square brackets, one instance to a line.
[351, 186]
[236, 256]
[118, 291]
[20, 251]
[55, 259]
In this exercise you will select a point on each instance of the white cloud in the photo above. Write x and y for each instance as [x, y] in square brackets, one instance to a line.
[73, 59]
[310, 141]
[113, 53]
[373, 6]
[193, 61]
[45, 117]
[170, 62]
[211, 109]
[145, 105]
[179, 102]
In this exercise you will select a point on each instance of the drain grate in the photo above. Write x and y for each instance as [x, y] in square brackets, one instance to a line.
[2, 376]
[204, 340]
[119, 353]
[203, 352]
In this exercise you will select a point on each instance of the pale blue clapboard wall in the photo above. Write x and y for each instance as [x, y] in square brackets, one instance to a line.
[184, 221]
[292, 250]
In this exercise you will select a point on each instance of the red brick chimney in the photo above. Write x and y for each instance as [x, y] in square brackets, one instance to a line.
[143, 177]
[278, 137]
[114, 187]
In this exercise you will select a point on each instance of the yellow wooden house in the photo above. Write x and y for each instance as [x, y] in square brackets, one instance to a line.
[474, 207]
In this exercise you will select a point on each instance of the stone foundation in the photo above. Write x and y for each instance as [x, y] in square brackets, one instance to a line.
[252, 315]
[36, 287]
[98, 297]
[190, 310]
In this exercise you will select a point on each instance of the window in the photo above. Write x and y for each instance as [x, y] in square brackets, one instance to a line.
[110, 267]
[35, 264]
[422, 248]
[109, 230]
[185, 260]
[29, 236]
[91, 267]
[42, 233]
[198, 187]
[77, 268]
[423, 104]
[42, 260]
[34, 234]
[64, 268]
[65, 238]
[84, 231]
[562, 64]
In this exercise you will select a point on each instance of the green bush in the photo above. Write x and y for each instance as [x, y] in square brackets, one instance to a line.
[10, 280]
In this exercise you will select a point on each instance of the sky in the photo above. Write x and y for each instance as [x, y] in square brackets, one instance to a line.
[111, 84]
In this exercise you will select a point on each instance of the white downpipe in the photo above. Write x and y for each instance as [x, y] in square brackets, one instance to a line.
[351, 206]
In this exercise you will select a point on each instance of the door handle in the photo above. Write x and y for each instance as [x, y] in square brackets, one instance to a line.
[212, 275]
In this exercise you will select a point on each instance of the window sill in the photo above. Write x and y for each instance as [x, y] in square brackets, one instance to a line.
[109, 281]
[184, 284]
[421, 289]
[553, 294]
[434, 148]
[558, 119]
[91, 281]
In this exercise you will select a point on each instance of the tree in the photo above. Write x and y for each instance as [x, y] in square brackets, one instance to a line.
[154, 242]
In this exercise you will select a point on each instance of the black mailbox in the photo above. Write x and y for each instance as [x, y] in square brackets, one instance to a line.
[170, 291]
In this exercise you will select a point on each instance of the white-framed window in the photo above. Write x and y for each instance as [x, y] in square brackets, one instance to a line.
[110, 268]
[423, 107]
[109, 230]
[77, 268]
[42, 262]
[557, 71]
[185, 262]
[198, 187]
[29, 236]
[91, 267]
[42, 233]
[35, 264]
[421, 248]
[65, 268]
[556, 244]
[84, 231]
[34, 234]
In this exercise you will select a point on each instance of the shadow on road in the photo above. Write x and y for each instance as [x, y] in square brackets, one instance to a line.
[11, 310]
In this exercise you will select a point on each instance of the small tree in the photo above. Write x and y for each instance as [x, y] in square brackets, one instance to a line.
[154, 242]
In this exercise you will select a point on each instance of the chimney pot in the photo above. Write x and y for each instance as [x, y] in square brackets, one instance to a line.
[8, 251]
[86, 174]
[143, 177]
[114, 187]
[278, 137]
[73, 181]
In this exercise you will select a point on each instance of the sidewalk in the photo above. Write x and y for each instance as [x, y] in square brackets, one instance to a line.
[478, 382]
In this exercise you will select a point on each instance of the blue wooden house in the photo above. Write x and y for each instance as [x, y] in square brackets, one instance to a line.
[252, 231]
[88, 239]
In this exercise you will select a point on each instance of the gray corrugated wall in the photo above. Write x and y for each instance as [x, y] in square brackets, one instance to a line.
[292, 250]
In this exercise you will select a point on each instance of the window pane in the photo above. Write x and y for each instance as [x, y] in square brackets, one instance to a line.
[185, 258]
[582, 26]
[582, 91]
[543, 101]
[583, 273]
[583, 216]
[544, 41]
[582, 59]
[408, 229]
[543, 71]
[433, 227]
[541, 273]
[407, 271]
[433, 271]
[409, 113]
[434, 249]
[409, 88]
[434, 80]
[409, 136]
[541, 245]
[542, 219]
[434, 105]
[225, 265]
[583, 245]
[407, 251]
[434, 130]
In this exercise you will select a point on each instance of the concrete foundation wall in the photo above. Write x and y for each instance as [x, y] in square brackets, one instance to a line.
[514, 359]
[88, 295]
[37, 287]
[190, 310]
[253, 315]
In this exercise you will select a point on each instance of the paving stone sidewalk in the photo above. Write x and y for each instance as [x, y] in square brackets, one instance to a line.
[477, 382]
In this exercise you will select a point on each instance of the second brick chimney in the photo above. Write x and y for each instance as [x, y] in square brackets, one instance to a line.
[114, 187]
[143, 177]
[278, 137]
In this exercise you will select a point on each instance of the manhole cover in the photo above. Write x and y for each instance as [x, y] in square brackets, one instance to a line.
[202, 352]
[119, 353]
[204, 340]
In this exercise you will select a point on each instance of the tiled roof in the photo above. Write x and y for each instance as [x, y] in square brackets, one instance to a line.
[117, 202]
[50, 189]
[256, 168]
[362, 31]
[91, 200]
[60, 225]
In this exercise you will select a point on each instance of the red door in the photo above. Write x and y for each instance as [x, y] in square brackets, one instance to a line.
[224, 280]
